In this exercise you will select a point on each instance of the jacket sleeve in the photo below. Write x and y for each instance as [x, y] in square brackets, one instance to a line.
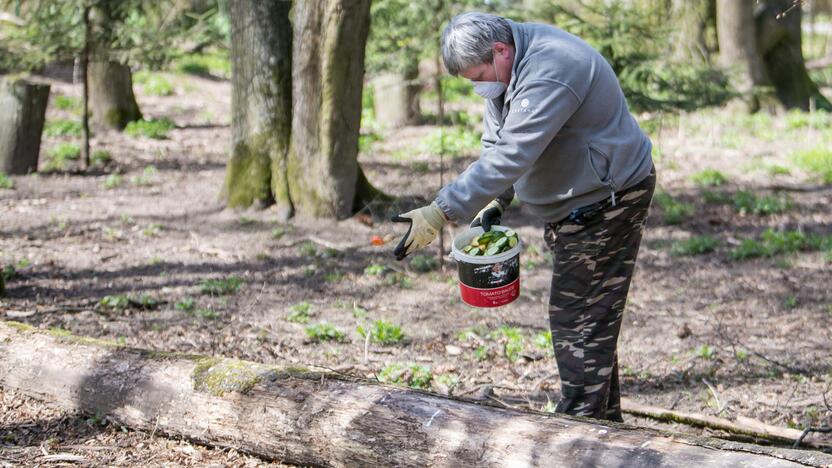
[490, 124]
[539, 109]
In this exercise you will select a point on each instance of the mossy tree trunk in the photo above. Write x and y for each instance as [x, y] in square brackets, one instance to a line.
[261, 104]
[691, 23]
[110, 82]
[328, 71]
[738, 52]
[296, 106]
[779, 42]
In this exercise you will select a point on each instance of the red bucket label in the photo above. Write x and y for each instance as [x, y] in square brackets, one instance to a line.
[491, 284]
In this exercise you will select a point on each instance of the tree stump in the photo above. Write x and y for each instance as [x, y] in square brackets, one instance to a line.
[21, 124]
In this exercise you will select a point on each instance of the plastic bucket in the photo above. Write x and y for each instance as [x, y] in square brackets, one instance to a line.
[491, 281]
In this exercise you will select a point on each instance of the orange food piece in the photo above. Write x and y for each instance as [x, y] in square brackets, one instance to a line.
[377, 240]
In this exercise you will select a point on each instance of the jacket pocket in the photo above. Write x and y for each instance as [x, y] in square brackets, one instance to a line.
[600, 164]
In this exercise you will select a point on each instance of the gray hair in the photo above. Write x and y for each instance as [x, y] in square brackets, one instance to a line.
[469, 38]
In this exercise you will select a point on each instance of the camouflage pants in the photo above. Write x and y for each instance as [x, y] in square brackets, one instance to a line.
[594, 253]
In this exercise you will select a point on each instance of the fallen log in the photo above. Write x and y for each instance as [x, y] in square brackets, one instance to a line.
[306, 417]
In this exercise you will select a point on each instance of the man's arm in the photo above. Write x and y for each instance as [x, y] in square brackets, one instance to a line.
[538, 111]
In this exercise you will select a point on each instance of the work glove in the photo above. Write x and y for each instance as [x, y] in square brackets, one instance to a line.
[425, 224]
[488, 216]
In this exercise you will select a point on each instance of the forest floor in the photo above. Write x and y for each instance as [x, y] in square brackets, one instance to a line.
[711, 333]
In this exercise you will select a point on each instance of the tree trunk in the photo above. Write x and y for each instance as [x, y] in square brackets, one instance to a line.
[690, 23]
[261, 104]
[738, 51]
[111, 93]
[327, 76]
[311, 418]
[396, 97]
[21, 124]
[779, 42]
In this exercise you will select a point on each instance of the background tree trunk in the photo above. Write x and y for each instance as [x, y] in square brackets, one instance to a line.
[261, 104]
[23, 107]
[396, 97]
[312, 418]
[327, 76]
[111, 94]
[779, 42]
[738, 50]
[690, 25]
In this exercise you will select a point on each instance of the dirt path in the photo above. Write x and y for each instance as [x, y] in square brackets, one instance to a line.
[757, 332]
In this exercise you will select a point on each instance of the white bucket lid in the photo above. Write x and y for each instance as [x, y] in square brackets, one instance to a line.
[464, 239]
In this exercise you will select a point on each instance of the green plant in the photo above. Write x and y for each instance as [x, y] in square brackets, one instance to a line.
[100, 157]
[775, 170]
[67, 103]
[113, 181]
[790, 302]
[411, 374]
[453, 142]
[747, 202]
[696, 245]
[299, 313]
[709, 178]
[799, 119]
[208, 314]
[308, 249]
[773, 243]
[324, 331]
[382, 332]
[448, 381]
[220, 286]
[420, 167]
[674, 211]
[60, 154]
[154, 128]
[817, 162]
[278, 233]
[62, 127]
[334, 276]
[153, 229]
[147, 176]
[715, 198]
[5, 181]
[216, 64]
[705, 352]
[424, 263]
[512, 341]
[114, 302]
[374, 270]
[481, 353]
[152, 83]
[186, 304]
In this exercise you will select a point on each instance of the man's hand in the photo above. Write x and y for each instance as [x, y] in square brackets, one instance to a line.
[425, 224]
[488, 216]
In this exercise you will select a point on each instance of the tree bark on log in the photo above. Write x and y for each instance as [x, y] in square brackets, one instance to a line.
[304, 417]
[21, 124]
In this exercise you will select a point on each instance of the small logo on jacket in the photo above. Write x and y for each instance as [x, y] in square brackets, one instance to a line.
[524, 103]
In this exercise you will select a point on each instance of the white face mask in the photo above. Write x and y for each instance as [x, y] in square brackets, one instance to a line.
[490, 89]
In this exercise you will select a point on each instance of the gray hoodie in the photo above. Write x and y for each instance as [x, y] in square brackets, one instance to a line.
[562, 136]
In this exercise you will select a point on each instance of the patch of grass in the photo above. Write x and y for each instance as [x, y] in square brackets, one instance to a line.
[153, 229]
[216, 64]
[186, 304]
[709, 178]
[374, 270]
[796, 119]
[411, 374]
[453, 142]
[382, 332]
[324, 331]
[748, 203]
[334, 276]
[773, 243]
[696, 245]
[366, 141]
[220, 286]
[705, 352]
[5, 181]
[817, 162]
[424, 263]
[67, 103]
[790, 302]
[60, 154]
[278, 233]
[543, 341]
[449, 381]
[153, 84]
[398, 279]
[207, 313]
[419, 167]
[157, 129]
[62, 127]
[481, 353]
[674, 211]
[308, 249]
[299, 313]
[101, 157]
[147, 176]
[119, 302]
[113, 181]
[512, 340]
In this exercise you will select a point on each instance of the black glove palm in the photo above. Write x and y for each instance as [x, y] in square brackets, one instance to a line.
[489, 216]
